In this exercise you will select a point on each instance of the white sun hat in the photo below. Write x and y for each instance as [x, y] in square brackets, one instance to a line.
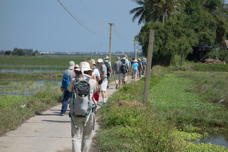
[85, 66]
[100, 60]
[93, 61]
[107, 58]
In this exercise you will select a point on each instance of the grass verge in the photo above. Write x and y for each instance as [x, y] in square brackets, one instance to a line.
[14, 110]
[177, 114]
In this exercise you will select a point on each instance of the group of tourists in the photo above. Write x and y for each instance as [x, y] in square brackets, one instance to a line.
[122, 67]
[84, 87]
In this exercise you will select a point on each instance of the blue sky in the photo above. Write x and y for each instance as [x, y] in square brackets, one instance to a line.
[44, 25]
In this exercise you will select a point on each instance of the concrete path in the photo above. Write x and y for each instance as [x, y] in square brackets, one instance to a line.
[47, 132]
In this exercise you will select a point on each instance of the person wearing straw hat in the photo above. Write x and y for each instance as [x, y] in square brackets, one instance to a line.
[82, 108]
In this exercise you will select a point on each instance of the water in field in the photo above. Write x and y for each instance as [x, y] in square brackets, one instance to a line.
[27, 88]
[29, 71]
[217, 140]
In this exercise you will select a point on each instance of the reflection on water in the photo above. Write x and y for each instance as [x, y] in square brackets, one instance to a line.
[43, 82]
[218, 140]
[29, 71]
[25, 93]
[42, 85]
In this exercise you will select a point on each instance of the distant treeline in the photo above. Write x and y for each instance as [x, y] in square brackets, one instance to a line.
[20, 52]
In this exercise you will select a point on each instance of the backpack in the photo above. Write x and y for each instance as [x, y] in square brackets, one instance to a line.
[108, 66]
[80, 101]
[140, 65]
[123, 67]
[66, 81]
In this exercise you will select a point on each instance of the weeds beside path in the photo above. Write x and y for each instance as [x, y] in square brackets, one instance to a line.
[178, 113]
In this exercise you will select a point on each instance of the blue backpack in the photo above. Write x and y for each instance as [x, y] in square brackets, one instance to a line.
[66, 81]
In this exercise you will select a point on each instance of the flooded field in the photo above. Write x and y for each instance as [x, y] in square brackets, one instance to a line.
[221, 140]
[218, 140]
[29, 71]
[27, 88]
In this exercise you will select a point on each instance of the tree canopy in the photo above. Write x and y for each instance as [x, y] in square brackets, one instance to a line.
[180, 25]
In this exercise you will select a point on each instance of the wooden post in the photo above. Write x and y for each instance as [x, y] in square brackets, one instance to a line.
[110, 42]
[148, 67]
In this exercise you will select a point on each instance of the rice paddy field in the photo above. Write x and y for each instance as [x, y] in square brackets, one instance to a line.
[29, 85]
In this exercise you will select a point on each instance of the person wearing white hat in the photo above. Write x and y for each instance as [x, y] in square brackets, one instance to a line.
[109, 68]
[95, 73]
[82, 124]
[68, 76]
[104, 81]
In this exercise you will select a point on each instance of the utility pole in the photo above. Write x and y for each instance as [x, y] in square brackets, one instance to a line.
[148, 66]
[110, 41]
[135, 51]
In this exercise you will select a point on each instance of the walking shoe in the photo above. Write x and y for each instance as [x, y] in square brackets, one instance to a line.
[61, 114]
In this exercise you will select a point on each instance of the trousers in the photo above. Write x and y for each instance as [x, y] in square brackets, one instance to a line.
[82, 133]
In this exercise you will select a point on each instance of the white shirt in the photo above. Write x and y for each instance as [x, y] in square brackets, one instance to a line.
[96, 73]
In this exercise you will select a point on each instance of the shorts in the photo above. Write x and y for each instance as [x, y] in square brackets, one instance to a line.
[124, 77]
[104, 85]
[119, 76]
[134, 73]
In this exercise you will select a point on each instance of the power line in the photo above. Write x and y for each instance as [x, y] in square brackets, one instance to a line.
[75, 18]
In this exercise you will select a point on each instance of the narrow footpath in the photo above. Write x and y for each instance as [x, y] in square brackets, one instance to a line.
[47, 132]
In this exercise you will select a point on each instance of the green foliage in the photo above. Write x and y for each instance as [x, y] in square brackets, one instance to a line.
[199, 21]
[210, 67]
[14, 110]
[211, 86]
[20, 52]
[220, 54]
[130, 126]
[205, 148]
[38, 62]
[177, 100]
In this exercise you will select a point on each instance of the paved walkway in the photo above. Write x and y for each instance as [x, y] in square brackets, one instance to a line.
[47, 132]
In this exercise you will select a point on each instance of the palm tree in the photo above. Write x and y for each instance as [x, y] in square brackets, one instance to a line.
[155, 10]
[139, 12]
[168, 8]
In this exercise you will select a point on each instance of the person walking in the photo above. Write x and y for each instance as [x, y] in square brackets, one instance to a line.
[82, 108]
[95, 71]
[104, 81]
[124, 69]
[118, 75]
[140, 68]
[68, 75]
[135, 68]
[109, 68]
